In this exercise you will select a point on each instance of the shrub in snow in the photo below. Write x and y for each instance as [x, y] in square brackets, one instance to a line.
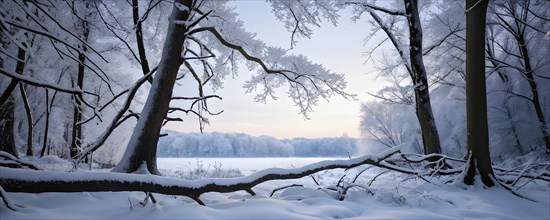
[202, 171]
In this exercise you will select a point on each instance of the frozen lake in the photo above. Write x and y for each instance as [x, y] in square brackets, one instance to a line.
[245, 164]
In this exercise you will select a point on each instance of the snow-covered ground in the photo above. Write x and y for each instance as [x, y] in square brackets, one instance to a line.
[391, 196]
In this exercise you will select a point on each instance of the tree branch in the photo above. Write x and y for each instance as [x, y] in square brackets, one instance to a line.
[34, 82]
[114, 123]
[378, 8]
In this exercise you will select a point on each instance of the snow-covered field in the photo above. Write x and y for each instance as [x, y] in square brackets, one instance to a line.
[391, 196]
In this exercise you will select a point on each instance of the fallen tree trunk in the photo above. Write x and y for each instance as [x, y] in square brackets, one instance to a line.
[30, 181]
[33, 181]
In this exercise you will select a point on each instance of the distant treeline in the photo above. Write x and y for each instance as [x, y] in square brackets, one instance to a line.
[217, 144]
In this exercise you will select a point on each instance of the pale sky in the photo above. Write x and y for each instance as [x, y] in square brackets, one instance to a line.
[340, 49]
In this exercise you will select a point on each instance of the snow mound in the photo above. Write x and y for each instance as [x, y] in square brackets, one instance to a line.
[300, 193]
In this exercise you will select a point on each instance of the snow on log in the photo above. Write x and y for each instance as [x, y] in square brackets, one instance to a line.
[30, 181]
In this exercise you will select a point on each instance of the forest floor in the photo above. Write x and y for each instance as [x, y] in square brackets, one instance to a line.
[390, 196]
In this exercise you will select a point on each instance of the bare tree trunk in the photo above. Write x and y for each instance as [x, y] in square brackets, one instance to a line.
[19, 68]
[476, 95]
[424, 112]
[30, 126]
[47, 125]
[533, 85]
[139, 38]
[77, 112]
[142, 147]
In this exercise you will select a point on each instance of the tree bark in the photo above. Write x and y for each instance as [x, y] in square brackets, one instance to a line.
[30, 126]
[47, 125]
[476, 95]
[424, 111]
[77, 111]
[19, 68]
[142, 147]
[7, 93]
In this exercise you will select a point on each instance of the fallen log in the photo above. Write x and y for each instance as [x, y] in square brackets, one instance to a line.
[31, 181]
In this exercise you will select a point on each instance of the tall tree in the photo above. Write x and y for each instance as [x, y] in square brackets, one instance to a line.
[424, 112]
[414, 65]
[476, 98]
[143, 143]
[524, 20]
[30, 124]
[84, 26]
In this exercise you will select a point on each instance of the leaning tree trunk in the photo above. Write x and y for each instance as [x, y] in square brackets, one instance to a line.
[533, 85]
[142, 147]
[19, 68]
[424, 113]
[476, 95]
[7, 92]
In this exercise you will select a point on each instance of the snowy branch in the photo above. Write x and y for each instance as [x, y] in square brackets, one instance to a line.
[114, 123]
[34, 82]
[306, 88]
[8, 160]
[396, 43]
[377, 8]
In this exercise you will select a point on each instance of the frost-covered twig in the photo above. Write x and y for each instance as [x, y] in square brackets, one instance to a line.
[513, 175]
[305, 88]
[378, 175]
[344, 191]
[114, 123]
[34, 82]
[284, 187]
[422, 157]
[377, 8]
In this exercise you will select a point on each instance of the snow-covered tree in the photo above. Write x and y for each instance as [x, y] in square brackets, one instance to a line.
[519, 48]
[411, 58]
[207, 39]
[56, 55]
